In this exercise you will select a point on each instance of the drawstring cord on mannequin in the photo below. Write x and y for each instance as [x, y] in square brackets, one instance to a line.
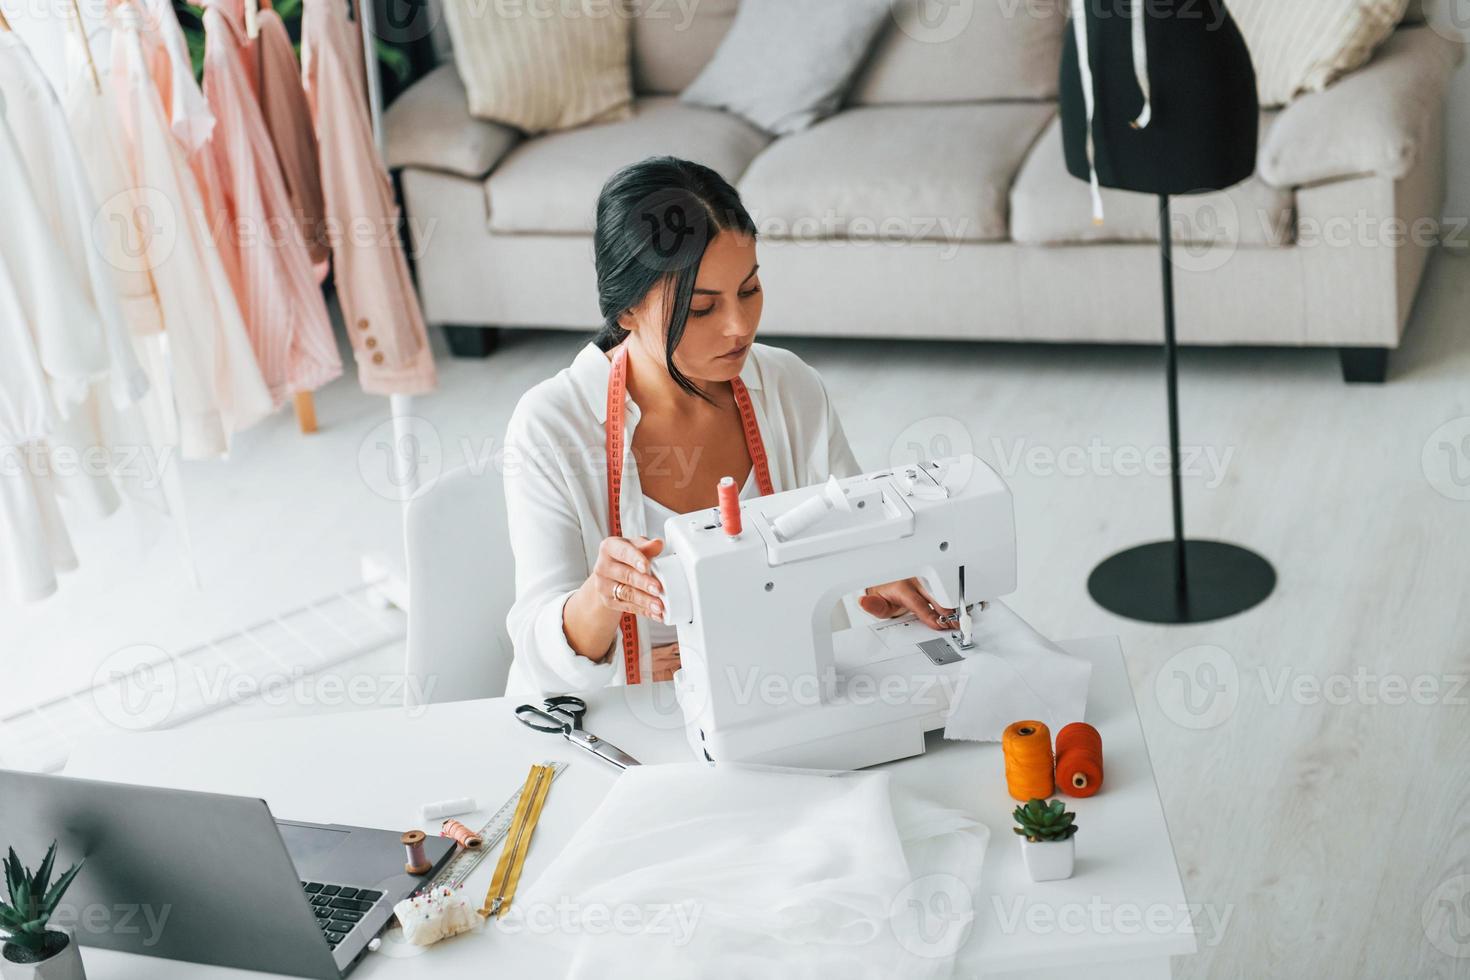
[1089, 94]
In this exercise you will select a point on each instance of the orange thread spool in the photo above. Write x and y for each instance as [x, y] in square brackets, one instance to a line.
[1027, 749]
[460, 834]
[729, 506]
[1079, 760]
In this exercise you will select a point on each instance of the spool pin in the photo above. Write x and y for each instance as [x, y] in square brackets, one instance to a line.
[416, 862]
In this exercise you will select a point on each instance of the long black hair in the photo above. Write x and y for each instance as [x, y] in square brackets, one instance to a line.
[654, 221]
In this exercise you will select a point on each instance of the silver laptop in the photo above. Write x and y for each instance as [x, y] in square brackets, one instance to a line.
[210, 878]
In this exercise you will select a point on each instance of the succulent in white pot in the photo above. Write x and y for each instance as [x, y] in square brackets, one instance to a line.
[33, 949]
[1046, 831]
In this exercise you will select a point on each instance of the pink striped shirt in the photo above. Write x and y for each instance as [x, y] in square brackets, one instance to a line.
[285, 313]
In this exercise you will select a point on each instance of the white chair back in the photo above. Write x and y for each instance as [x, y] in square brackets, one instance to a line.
[461, 584]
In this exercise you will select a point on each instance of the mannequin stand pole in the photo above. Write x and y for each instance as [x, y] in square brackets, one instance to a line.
[1179, 581]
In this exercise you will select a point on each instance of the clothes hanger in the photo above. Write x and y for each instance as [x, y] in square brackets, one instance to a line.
[4, 24]
[81, 27]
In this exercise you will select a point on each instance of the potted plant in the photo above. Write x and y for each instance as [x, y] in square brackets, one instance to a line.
[1046, 831]
[31, 950]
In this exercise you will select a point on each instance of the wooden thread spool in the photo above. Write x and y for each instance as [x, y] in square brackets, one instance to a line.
[417, 862]
[462, 835]
[1027, 749]
[1079, 760]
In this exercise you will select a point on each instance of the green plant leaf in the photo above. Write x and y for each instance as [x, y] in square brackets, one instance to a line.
[42, 879]
[10, 919]
[59, 889]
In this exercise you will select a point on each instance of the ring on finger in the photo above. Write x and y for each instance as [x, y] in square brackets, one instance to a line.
[618, 592]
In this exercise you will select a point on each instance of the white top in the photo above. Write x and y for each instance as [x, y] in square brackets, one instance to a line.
[556, 496]
[654, 516]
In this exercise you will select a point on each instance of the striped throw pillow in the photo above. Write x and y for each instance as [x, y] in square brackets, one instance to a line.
[1305, 45]
[543, 66]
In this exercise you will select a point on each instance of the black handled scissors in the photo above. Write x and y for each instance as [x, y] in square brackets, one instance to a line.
[563, 715]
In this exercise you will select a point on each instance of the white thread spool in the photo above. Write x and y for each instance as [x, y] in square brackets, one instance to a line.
[449, 808]
[810, 512]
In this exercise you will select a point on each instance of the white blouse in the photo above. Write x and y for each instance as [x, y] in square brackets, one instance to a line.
[555, 470]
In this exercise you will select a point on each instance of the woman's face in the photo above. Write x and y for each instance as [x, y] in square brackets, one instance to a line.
[724, 313]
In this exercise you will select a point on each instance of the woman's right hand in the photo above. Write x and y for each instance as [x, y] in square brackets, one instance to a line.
[622, 579]
[621, 582]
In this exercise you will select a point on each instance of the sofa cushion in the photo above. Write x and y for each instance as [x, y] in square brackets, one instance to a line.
[787, 63]
[430, 126]
[1307, 45]
[673, 41]
[1051, 207]
[935, 173]
[550, 184]
[965, 51]
[1379, 120]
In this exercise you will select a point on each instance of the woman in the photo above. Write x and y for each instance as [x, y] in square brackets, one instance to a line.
[680, 293]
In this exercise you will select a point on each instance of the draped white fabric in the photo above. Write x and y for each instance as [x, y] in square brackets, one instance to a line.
[738, 871]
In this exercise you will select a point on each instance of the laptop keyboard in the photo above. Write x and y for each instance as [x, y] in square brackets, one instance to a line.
[338, 908]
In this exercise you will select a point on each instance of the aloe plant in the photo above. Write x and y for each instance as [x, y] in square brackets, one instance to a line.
[1040, 821]
[33, 899]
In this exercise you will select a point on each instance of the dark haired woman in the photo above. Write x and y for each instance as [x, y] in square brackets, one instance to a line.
[693, 399]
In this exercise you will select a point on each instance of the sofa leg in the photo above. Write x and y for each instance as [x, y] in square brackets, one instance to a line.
[472, 341]
[1364, 365]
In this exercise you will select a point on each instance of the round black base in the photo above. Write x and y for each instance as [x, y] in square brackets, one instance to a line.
[1141, 583]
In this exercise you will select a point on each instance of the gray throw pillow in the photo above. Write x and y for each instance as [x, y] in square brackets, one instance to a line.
[787, 63]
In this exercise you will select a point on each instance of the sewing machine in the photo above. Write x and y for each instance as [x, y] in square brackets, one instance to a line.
[767, 677]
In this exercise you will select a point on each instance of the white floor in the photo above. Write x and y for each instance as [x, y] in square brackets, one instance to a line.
[1318, 818]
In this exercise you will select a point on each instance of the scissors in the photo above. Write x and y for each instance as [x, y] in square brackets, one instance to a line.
[564, 714]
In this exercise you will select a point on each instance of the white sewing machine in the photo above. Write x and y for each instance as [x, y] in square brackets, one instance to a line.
[766, 678]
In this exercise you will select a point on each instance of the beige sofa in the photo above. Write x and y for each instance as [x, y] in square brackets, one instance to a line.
[936, 204]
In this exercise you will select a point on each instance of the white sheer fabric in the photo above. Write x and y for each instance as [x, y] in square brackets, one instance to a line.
[1016, 673]
[737, 871]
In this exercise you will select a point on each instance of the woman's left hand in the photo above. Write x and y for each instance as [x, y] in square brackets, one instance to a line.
[906, 596]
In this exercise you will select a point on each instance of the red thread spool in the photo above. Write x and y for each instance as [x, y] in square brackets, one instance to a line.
[729, 506]
[1080, 773]
[460, 834]
[1079, 760]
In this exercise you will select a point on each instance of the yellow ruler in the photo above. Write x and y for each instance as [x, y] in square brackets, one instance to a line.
[518, 841]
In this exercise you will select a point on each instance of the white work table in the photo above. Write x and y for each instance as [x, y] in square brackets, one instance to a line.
[1122, 914]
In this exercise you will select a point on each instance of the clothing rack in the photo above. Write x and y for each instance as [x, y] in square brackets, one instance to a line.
[389, 578]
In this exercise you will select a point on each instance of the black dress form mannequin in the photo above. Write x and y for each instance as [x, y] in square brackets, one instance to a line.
[1198, 134]
[1202, 135]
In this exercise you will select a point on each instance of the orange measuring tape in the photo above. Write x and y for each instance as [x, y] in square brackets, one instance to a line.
[617, 390]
